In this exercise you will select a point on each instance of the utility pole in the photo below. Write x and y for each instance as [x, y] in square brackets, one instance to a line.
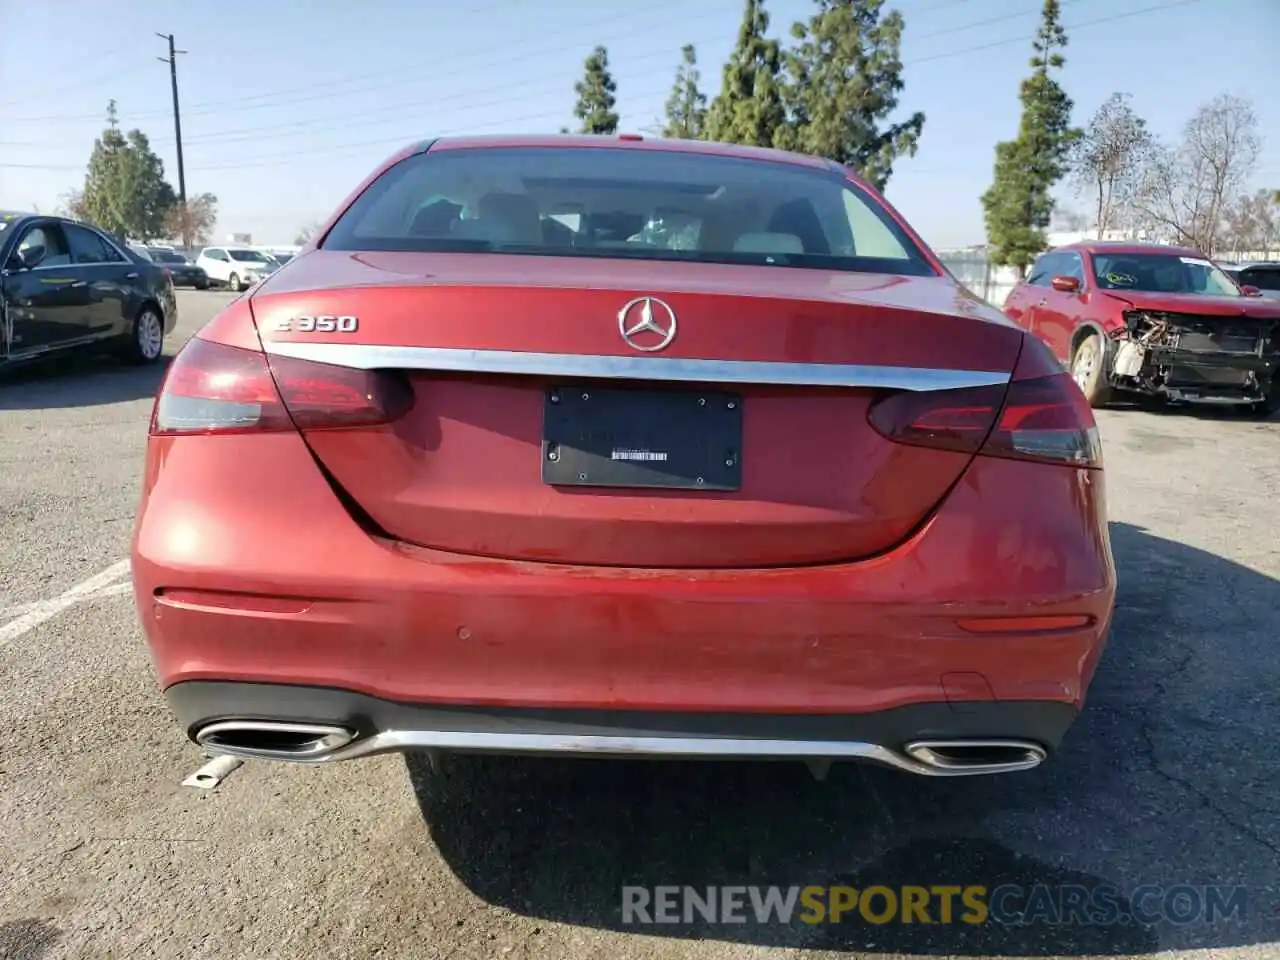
[172, 61]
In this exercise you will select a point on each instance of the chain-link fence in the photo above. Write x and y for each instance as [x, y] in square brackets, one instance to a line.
[972, 269]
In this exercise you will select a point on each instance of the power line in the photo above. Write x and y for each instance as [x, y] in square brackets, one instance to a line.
[304, 126]
[398, 76]
[72, 87]
[392, 112]
[268, 160]
[386, 141]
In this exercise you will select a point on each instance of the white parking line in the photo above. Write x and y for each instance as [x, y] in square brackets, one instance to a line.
[99, 585]
[21, 609]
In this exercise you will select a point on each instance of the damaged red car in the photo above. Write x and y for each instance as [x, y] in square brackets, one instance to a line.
[1157, 320]
[604, 446]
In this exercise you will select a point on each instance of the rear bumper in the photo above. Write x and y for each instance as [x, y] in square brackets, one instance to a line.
[213, 712]
[247, 570]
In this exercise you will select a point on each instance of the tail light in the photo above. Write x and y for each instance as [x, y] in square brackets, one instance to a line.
[959, 420]
[212, 388]
[1044, 419]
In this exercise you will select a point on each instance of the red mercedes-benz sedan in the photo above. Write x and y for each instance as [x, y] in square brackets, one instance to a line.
[596, 445]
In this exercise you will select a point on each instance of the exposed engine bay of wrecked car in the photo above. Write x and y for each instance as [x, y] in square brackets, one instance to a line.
[1203, 359]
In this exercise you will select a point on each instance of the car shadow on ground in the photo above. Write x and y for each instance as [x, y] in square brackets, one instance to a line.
[81, 381]
[1168, 780]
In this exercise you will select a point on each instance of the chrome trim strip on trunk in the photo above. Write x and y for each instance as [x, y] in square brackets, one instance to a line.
[587, 366]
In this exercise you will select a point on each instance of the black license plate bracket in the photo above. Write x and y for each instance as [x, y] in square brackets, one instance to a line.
[663, 439]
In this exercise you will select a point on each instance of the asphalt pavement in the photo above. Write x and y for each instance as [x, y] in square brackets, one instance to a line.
[1170, 778]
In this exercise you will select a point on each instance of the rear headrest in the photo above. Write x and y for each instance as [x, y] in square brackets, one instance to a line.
[799, 218]
[435, 220]
[517, 211]
[768, 243]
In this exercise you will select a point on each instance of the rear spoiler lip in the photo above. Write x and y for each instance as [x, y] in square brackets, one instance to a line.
[676, 369]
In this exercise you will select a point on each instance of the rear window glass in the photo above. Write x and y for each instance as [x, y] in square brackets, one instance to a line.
[633, 204]
[249, 256]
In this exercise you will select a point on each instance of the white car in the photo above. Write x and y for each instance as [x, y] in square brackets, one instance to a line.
[237, 267]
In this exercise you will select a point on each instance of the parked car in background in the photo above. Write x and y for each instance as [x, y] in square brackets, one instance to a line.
[281, 254]
[1151, 319]
[236, 267]
[65, 285]
[184, 272]
[619, 446]
[1262, 275]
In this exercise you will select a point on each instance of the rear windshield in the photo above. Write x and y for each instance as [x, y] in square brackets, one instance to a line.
[633, 204]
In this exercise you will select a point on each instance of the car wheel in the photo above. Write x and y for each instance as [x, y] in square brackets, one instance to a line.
[146, 339]
[202, 284]
[233, 282]
[1088, 370]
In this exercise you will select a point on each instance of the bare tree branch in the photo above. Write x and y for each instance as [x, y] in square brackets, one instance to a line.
[1107, 162]
[1184, 191]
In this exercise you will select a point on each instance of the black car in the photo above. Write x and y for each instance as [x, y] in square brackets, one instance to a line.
[183, 271]
[1263, 276]
[66, 285]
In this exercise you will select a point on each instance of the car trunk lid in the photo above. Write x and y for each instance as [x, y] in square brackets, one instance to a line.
[542, 429]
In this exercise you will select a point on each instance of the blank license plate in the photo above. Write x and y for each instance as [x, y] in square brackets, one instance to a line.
[679, 440]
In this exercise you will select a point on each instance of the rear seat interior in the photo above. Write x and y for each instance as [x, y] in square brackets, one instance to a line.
[501, 217]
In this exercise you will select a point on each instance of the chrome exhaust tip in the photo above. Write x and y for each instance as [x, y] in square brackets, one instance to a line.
[269, 740]
[958, 758]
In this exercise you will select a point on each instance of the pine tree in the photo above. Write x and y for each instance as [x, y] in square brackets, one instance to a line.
[1019, 204]
[125, 192]
[844, 77]
[100, 198]
[687, 105]
[749, 107]
[596, 100]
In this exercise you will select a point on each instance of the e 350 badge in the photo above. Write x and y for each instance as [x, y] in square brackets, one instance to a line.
[327, 324]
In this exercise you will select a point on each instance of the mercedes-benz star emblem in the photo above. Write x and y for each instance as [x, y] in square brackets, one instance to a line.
[642, 329]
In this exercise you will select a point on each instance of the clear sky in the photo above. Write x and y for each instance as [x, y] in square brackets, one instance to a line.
[287, 105]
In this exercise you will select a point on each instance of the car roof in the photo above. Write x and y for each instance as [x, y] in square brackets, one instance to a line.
[627, 141]
[1133, 247]
[11, 218]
